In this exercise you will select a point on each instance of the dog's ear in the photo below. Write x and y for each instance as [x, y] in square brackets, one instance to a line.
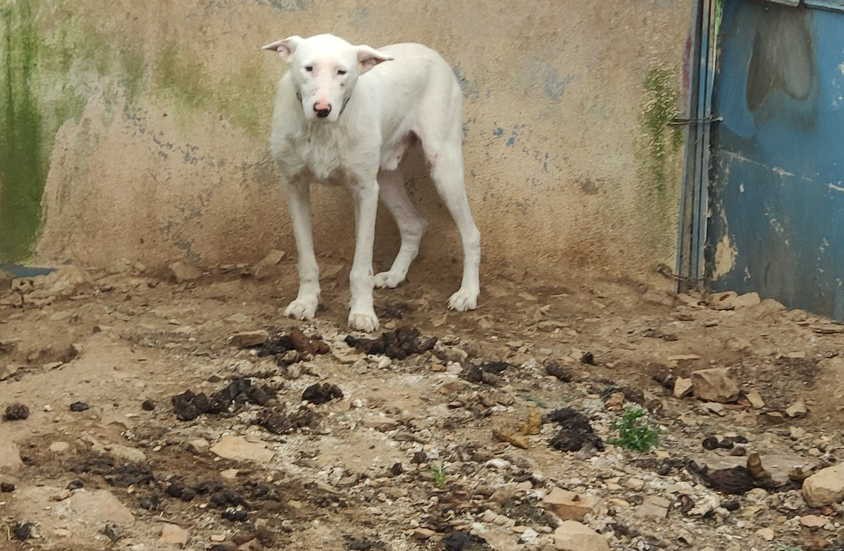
[369, 58]
[284, 48]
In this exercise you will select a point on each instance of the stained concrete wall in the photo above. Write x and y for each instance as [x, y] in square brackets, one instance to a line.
[139, 129]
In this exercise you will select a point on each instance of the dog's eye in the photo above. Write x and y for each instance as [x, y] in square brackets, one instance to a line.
[309, 68]
[341, 71]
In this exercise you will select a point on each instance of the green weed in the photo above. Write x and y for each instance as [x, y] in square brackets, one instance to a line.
[635, 432]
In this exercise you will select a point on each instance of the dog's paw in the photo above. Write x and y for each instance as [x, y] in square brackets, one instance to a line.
[365, 321]
[463, 300]
[388, 280]
[302, 309]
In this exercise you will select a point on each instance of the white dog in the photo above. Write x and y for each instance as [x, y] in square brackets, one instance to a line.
[347, 114]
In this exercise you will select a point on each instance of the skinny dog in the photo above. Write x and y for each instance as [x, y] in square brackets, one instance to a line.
[347, 114]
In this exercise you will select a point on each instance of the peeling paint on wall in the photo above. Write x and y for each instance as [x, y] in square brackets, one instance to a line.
[287, 5]
[470, 89]
[725, 257]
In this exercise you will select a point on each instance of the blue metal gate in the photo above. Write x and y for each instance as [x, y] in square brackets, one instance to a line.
[776, 197]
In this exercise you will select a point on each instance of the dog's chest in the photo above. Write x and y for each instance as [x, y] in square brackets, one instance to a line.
[325, 155]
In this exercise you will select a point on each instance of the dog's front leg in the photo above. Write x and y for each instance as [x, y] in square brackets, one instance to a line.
[362, 311]
[299, 204]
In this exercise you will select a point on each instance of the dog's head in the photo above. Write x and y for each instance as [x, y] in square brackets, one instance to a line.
[324, 70]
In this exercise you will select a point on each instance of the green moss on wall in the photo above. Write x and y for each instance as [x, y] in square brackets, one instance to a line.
[182, 77]
[22, 148]
[659, 139]
[55, 54]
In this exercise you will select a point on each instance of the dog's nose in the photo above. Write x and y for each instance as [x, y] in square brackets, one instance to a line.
[322, 109]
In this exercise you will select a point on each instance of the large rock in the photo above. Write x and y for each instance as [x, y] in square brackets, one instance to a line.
[238, 448]
[84, 514]
[172, 534]
[246, 339]
[64, 282]
[653, 508]
[569, 505]
[715, 385]
[574, 536]
[97, 508]
[825, 487]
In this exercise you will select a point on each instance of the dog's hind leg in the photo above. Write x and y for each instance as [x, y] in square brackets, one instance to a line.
[410, 223]
[446, 160]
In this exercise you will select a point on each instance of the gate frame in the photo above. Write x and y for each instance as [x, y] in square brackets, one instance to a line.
[694, 195]
[694, 202]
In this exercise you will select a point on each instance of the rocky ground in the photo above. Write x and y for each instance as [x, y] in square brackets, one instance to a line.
[152, 411]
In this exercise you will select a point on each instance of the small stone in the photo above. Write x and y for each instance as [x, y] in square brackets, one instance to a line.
[198, 445]
[796, 433]
[238, 448]
[797, 410]
[635, 484]
[619, 503]
[293, 371]
[615, 401]
[229, 474]
[772, 417]
[423, 534]
[127, 453]
[715, 385]
[755, 399]
[766, 534]
[569, 505]
[6, 487]
[269, 265]
[825, 487]
[78, 407]
[217, 538]
[813, 521]
[714, 407]
[449, 354]
[59, 447]
[246, 339]
[682, 387]
[653, 508]
[529, 536]
[507, 434]
[182, 271]
[574, 536]
[683, 358]
[147, 405]
[171, 534]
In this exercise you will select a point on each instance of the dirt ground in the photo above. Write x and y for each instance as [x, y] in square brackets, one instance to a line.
[452, 447]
